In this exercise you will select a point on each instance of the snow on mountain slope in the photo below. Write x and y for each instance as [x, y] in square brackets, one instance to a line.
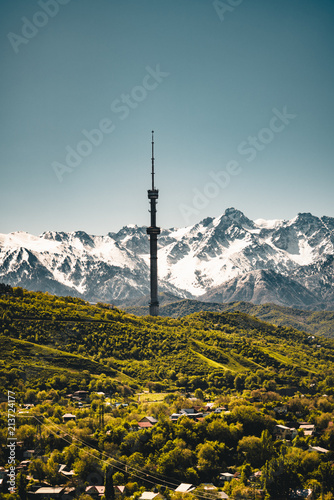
[77, 261]
[192, 260]
[209, 254]
[261, 287]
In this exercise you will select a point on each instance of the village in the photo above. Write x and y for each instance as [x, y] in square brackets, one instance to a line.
[113, 424]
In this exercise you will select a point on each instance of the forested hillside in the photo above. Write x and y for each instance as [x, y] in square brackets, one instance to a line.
[256, 375]
[314, 322]
[186, 352]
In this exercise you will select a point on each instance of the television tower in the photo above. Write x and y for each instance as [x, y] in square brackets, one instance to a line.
[153, 231]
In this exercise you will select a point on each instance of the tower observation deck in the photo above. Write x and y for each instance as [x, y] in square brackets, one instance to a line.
[153, 231]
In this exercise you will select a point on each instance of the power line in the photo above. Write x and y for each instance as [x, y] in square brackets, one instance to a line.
[123, 466]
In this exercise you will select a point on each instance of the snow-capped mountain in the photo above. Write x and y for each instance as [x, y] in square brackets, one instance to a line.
[218, 257]
[263, 286]
[93, 267]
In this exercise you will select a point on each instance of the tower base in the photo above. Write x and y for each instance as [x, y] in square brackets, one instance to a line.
[154, 309]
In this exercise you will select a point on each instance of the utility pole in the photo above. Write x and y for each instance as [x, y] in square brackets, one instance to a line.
[101, 415]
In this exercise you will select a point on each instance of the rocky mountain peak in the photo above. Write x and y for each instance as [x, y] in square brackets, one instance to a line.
[232, 215]
[54, 236]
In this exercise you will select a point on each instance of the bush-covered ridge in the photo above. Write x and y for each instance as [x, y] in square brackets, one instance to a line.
[314, 322]
[204, 348]
[251, 371]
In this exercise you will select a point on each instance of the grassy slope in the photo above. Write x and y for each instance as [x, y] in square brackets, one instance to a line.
[38, 361]
[70, 335]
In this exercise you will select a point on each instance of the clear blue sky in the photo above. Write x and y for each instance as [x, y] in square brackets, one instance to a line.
[205, 78]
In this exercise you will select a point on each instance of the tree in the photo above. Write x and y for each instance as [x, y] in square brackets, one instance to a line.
[27, 434]
[175, 460]
[210, 456]
[246, 471]
[252, 420]
[280, 474]
[199, 394]
[267, 446]
[239, 382]
[219, 430]
[37, 469]
[109, 492]
[131, 488]
[118, 478]
[70, 454]
[251, 447]
[51, 471]
[21, 485]
[325, 476]
[30, 396]
[86, 463]
[136, 460]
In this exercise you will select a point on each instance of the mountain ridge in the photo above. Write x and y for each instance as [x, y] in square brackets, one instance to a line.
[319, 323]
[230, 256]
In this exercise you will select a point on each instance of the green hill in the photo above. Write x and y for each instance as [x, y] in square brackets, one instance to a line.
[43, 335]
[314, 322]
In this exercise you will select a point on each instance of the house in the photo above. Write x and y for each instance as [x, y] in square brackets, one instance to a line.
[24, 464]
[49, 492]
[175, 416]
[95, 491]
[65, 471]
[255, 476]
[185, 488]
[79, 396]
[191, 413]
[119, 490]
[308, 429]
[281, 410]
[69, 493]
[209, 486]
[222, 495]
[146, 422]
[28, 453]
[225, 476]
[150, 495]
[83, 395]
[188, 411]
[121, 405]
[220, 409]
[299, 493]
[318, 449]
[283, 432]
[28, 406]
[68, 416]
